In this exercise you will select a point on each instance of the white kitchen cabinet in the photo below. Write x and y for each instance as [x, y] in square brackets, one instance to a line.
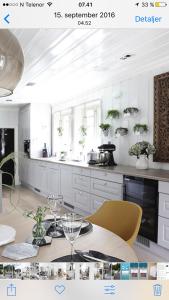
[53, 180]
[82, 200]
[96, 202]
[163, 232]
[81, 182]
[164, 205]
[81, 171]
[40, 131]
[163, 214]
[66, 184]
[21, 169]
[107, 176]
[24, 126]
[42, 178]
[25, 170]
[106, 189]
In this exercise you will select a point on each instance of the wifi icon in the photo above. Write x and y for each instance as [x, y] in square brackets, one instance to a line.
[49, 4]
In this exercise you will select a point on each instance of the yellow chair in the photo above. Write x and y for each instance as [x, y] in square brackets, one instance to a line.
[121, 217]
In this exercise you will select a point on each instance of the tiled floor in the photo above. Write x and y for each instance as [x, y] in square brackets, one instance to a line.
[24, 199]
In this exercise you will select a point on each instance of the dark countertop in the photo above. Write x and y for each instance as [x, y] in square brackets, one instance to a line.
[157, 174]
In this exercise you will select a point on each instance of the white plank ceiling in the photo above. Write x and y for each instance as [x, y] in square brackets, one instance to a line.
[65, 63]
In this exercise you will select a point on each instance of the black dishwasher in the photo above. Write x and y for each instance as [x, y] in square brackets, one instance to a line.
[144, 192]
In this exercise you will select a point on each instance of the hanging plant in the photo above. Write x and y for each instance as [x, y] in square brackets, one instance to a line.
[60, 131]
[83, 130]
[82, 143]
[113, 114]
[105, 128]
[130, 111]
[121, 131]
[140, 128]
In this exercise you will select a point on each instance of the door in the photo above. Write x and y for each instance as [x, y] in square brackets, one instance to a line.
[7, 147]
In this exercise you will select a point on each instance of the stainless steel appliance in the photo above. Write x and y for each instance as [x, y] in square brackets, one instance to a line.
[144, 192]
[106, 157]
[92, 157]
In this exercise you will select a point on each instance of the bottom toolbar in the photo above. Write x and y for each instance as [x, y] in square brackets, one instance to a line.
[68, 290]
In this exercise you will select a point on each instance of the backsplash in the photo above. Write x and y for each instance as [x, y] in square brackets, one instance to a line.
[137, 92]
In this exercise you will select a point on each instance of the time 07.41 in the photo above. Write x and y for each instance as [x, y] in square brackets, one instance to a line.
[85, 4]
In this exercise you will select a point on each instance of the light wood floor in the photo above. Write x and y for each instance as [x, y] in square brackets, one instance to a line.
[24, 199]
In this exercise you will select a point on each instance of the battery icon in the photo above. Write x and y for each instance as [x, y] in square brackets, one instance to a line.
[160, 4]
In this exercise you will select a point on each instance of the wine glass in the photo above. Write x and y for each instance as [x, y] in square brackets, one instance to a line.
[71, 225]
[55, 204]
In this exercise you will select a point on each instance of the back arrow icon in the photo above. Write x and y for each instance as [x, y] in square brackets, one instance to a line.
[6, 18]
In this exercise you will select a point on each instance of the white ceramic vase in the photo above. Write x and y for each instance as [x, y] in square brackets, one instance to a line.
[142, 162]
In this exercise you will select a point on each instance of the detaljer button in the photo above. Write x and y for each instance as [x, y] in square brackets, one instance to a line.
[148, 19]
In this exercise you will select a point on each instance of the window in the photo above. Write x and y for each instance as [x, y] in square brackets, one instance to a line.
[62, 132]
[76, 130]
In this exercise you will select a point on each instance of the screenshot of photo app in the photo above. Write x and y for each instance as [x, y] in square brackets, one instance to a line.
[84, 150]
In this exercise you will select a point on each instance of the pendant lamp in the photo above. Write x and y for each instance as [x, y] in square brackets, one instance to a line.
[11, 62]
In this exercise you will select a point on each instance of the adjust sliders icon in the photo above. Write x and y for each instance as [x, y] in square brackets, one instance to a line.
[110, 289]
[6, 19]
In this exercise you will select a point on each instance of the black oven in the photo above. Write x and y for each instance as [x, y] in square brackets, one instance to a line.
[144, 192]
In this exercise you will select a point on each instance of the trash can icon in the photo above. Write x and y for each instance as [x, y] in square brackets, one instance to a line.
[157, 288]
[11, 290]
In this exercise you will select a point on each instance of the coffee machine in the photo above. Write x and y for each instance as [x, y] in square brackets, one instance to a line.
[106, 157]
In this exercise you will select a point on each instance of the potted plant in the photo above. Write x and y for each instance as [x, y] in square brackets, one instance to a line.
[113, 114]
[105, 128]
[39, 230]
[140, 129]
[128, 111]
[60, 131]
[121, 131]
[142, 150]
[83, 130]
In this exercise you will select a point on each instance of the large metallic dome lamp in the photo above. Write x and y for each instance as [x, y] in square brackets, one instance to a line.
[11, 62]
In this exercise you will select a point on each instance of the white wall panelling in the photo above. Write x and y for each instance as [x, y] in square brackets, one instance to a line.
[35, 124]
[40, 128]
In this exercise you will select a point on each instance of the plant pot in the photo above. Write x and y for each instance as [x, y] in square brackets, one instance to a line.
[121, 131]
[106, 132]
[38, 233]
[142, 162]
[140, 131]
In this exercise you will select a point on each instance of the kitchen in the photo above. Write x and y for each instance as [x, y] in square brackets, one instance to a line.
[81, 89]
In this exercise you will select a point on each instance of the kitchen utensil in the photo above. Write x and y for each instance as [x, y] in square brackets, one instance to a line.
[92, 157]
[92, 255]
[106, 154]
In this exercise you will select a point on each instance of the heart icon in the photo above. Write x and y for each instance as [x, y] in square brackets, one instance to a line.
[59, 289]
